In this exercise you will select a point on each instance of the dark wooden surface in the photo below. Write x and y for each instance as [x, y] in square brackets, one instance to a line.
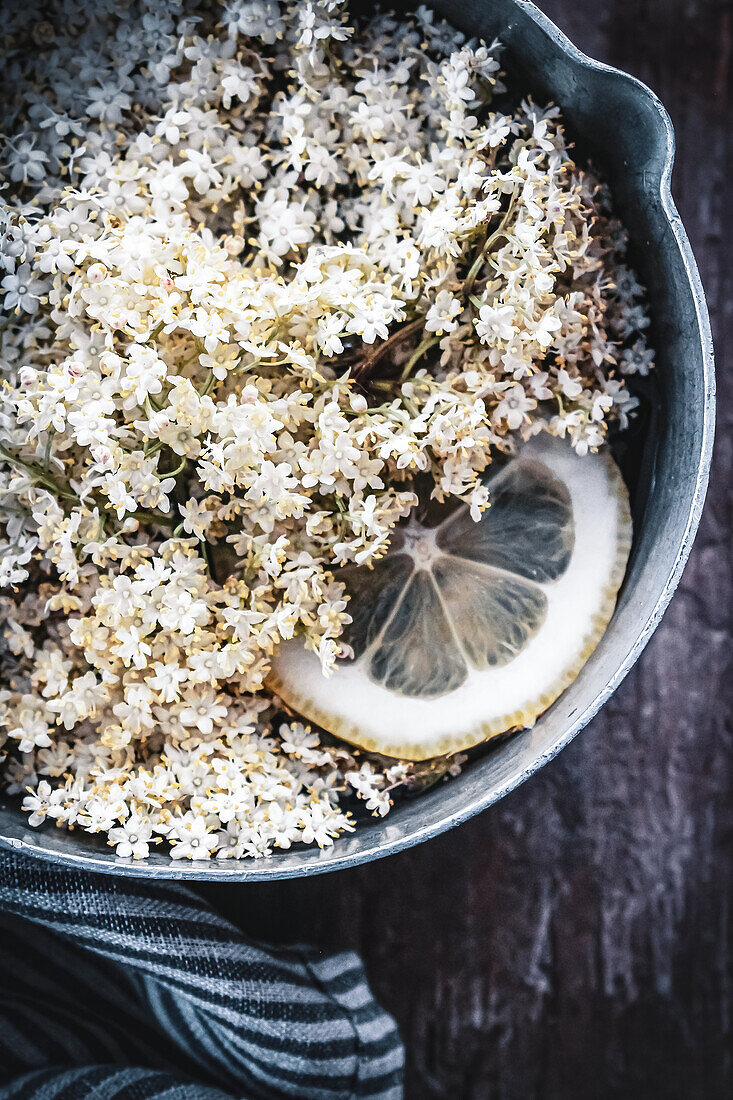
[574, 942]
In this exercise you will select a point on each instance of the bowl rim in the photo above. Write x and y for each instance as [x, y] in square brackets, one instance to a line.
[267, 870]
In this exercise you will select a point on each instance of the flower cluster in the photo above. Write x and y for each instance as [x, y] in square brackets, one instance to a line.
[267, 272]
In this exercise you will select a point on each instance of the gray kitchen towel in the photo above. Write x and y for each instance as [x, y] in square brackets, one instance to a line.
[116, 987]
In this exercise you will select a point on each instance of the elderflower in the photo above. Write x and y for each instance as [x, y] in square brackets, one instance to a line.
[269, 273]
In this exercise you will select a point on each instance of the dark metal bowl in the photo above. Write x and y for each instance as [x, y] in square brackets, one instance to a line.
[623, 127]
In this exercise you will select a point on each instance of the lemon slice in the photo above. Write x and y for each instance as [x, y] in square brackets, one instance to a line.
[468, 629]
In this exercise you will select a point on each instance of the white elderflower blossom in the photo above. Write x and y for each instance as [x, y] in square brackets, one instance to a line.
[133, 838]
[270, 273]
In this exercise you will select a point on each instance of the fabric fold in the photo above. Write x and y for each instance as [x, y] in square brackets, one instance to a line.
[107, 977]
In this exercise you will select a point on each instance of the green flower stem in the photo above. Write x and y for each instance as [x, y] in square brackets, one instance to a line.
[417, 354]
[487, 246]
[178, 470]
[206, 555]
[150, 517]
[63, 492]
[208, 385]
[47, 451]
[38, 474]
[476, 265]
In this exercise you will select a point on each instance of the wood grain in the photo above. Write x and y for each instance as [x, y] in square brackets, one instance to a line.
[574, 942]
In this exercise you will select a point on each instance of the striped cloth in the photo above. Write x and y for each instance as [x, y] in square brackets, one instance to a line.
[113, 987]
